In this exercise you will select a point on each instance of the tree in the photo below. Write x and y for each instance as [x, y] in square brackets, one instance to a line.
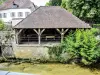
[1, 1]
[82, 44]
[64, 4]
[85, 9]
[1, 25]
[54, 3]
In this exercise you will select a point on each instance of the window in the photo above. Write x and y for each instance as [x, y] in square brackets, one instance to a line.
[20, 14]
[13, 14]
[27, 13]
[4, 15]
[15, 6]
[0, 15]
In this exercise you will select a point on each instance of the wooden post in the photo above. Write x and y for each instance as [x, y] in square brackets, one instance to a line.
[17, 36]
[62, 33]
[62, 37]
[39, 32]
[39, 36]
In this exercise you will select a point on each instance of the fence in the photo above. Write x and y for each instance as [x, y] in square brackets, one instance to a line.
[43, 39]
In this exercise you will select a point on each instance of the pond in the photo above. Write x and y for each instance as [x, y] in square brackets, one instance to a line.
[49, 69]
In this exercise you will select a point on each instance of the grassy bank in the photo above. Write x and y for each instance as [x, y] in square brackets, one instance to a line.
[50, 69]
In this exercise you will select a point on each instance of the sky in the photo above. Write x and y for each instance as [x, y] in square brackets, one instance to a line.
[40, 2]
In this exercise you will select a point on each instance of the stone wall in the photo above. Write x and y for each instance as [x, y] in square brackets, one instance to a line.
[36, 52]
[6, 44]
[8, 51]
[12, 49]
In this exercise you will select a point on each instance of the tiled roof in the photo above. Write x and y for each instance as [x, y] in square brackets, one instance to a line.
[8, 4]
[51, 17]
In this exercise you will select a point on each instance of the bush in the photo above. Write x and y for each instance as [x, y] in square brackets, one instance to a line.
[1, 25]
[58, 54]
[55, 53]
[2, 59]
[82, 44]
[96, 25]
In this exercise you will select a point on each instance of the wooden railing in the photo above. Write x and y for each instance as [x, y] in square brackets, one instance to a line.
[43, 39]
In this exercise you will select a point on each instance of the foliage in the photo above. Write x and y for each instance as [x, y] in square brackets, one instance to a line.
[47, 4]
[1, 25]
[82, 44]
[64, 4]
[55, 52]
[2, 60]
[85, 9]
[4, 27]
[96, 26]
[6, 36]
[58, 54]
[1, 1]
[54, 3]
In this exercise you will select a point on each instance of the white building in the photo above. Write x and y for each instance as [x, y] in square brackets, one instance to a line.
[10, 14]
[13, 11]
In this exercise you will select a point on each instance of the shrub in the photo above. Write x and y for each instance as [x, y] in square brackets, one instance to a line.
[58, 54]
[55, 53]
[65, 58]
[82, 44]
[96, 25]
[1, 25]
[2, 59]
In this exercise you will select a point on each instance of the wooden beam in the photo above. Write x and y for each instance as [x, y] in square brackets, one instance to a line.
[65, 31]
[35, 31]
[17, 36]
[62, 32]
[58, 31]
[39, 36]
[42, 31]
[19, 31]
[39, 32]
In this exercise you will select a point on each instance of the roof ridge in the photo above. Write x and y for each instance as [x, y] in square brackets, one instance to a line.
[27, 16]
[33, 12]
[46, 18]
[49, 6]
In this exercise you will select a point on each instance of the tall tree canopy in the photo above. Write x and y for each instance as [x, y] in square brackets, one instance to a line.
[85, 9]
[88, 10]
[54, 3]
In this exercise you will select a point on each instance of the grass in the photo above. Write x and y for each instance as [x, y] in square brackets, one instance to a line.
[49, 69]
